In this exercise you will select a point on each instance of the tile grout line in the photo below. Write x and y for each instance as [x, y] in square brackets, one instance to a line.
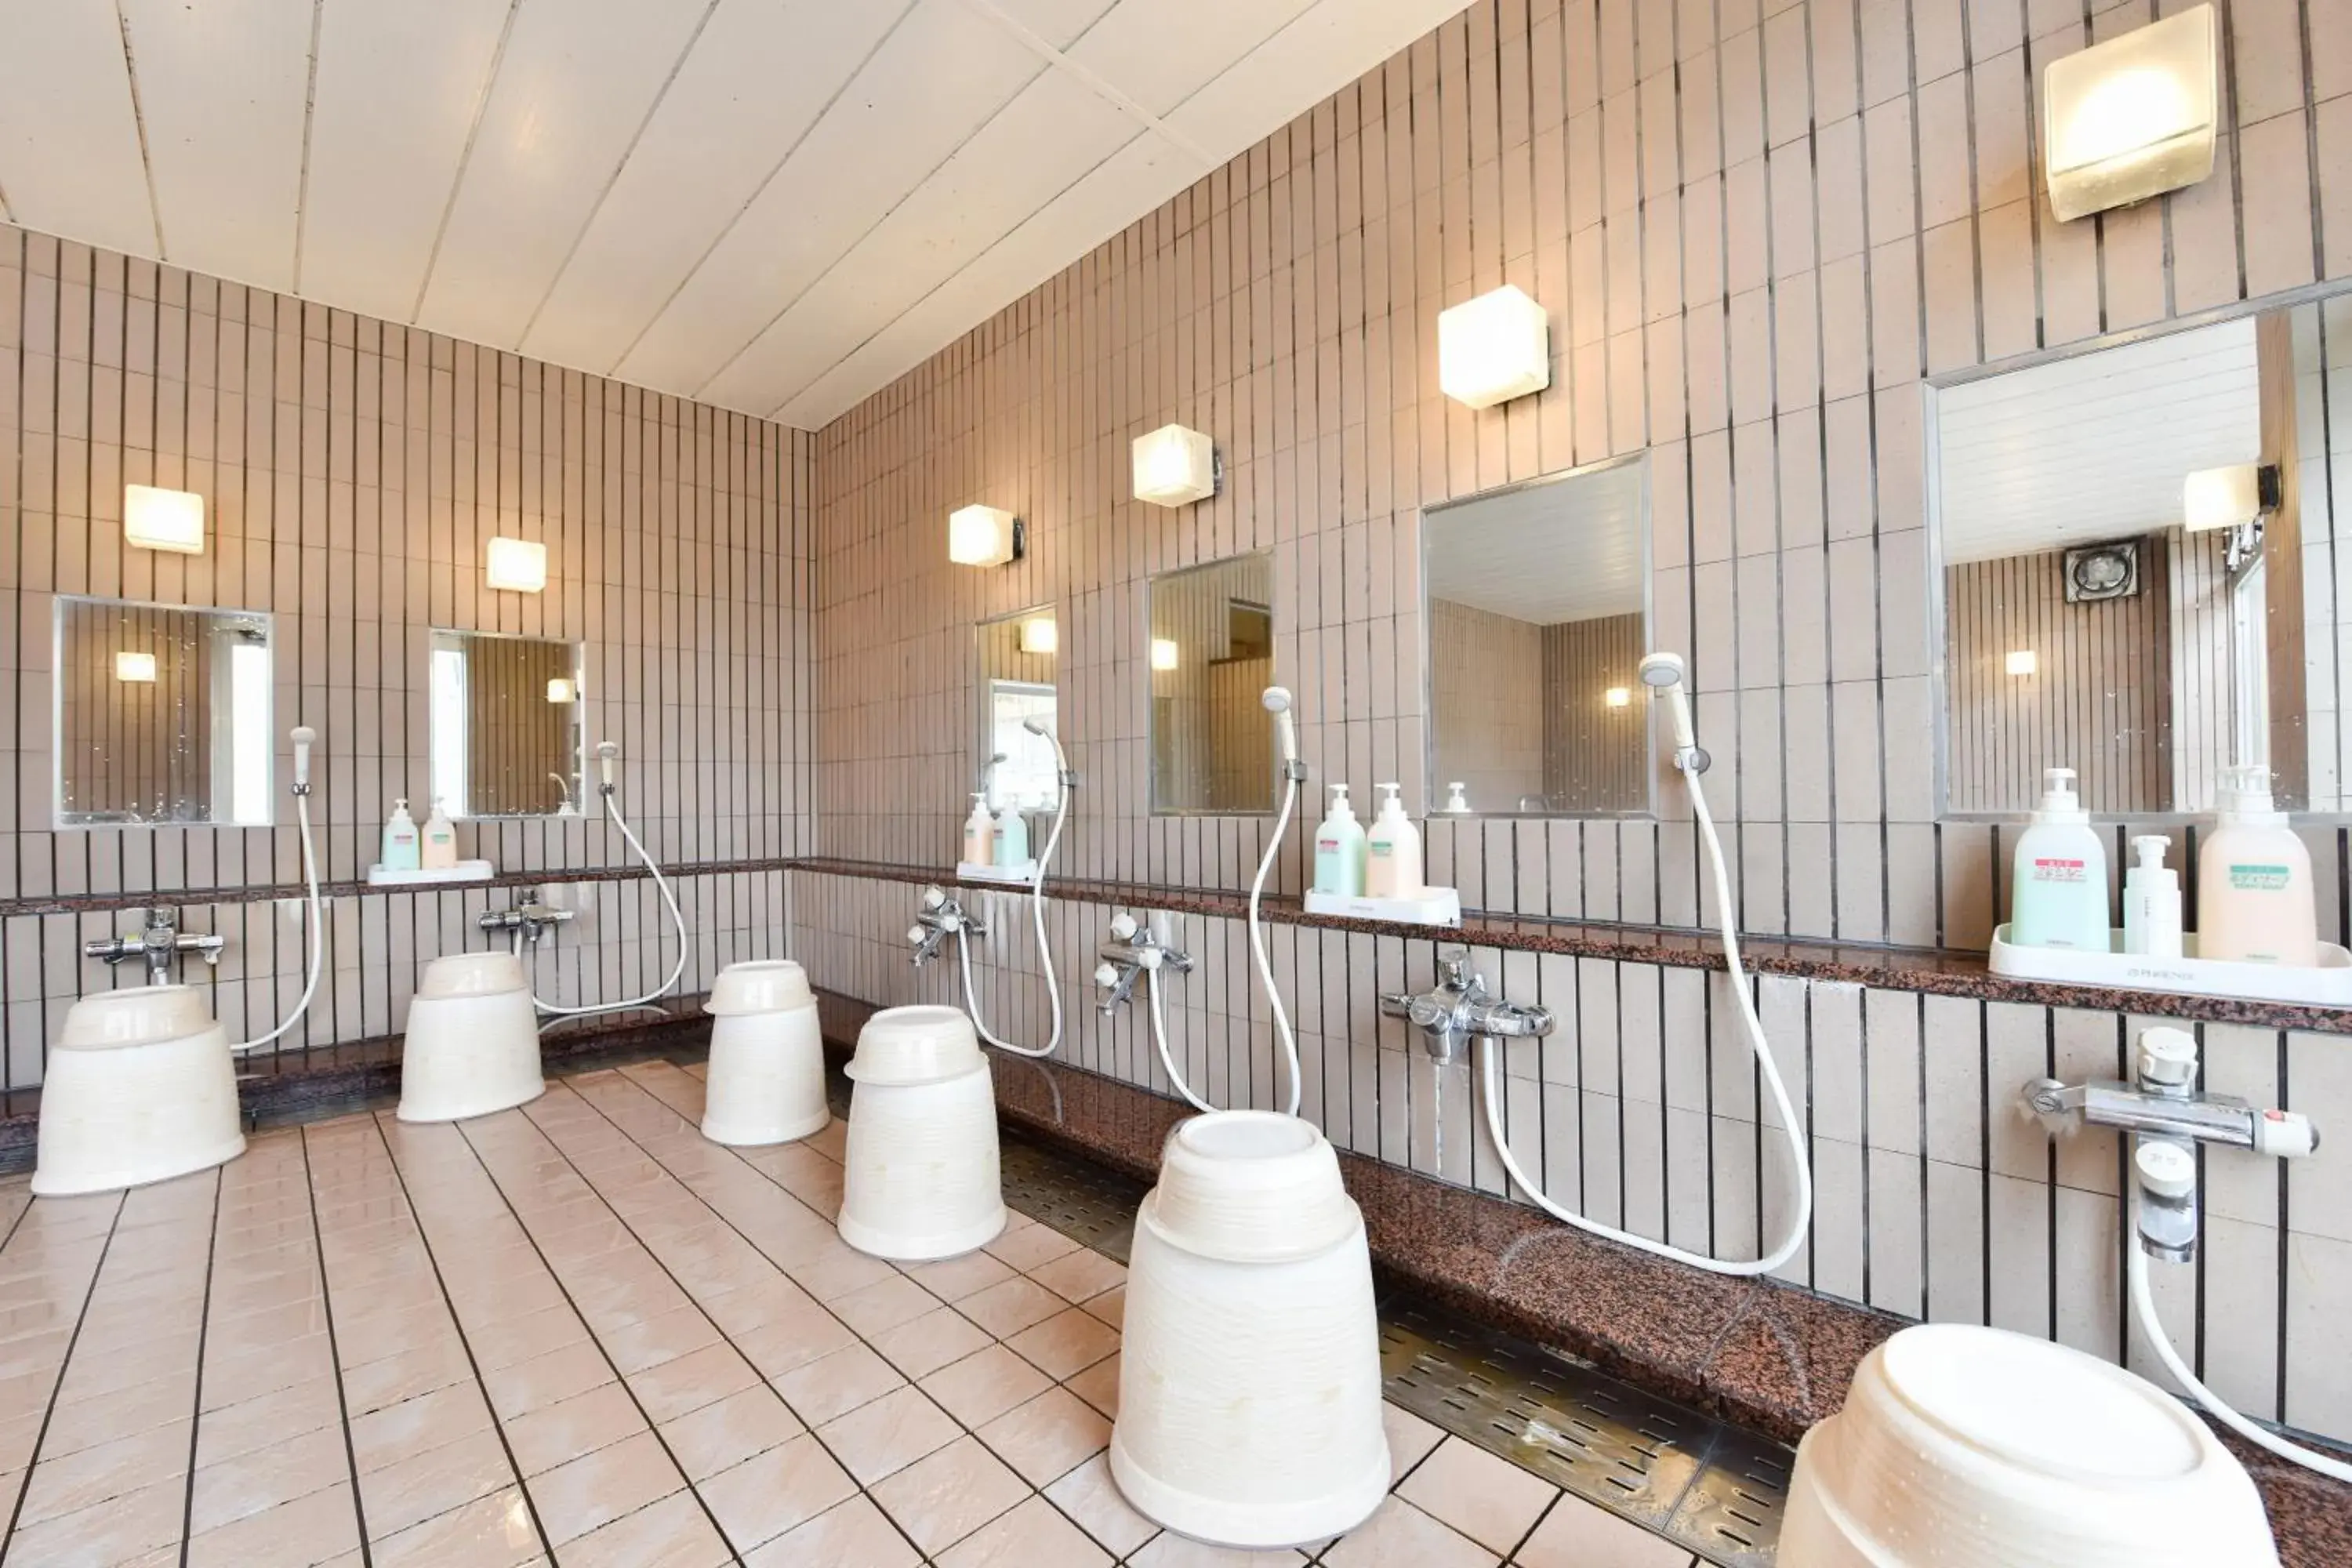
[465, 1343]
[49, 1410]
[203, 1334]
[334, 1354]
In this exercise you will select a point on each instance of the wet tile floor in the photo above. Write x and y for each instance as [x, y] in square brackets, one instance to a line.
[580, 1333]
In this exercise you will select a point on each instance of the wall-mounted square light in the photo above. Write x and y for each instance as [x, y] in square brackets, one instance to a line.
[1038, 635]
[138, 667]
[1492, 349]
[982, 536]
[2225, 498]
[1174, 467]
[2021, 661]
[1618, 696]
[1163, 653]
[517, 565]
[560, 691]
[164, 520]
[2134, 117]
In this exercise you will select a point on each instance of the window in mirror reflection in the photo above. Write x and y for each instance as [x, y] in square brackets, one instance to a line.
[505, 719]
[2086, 624]
[1538, 619]
[163, 714]
[1017, 655]
[1210, 658]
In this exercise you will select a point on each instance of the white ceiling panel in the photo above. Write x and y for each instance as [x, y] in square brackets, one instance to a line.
[398, 89]
[1043, 143]
[223, 90]
[725, 126]
[572, 89]
[775, 204]
[941, 76]
[63, 84]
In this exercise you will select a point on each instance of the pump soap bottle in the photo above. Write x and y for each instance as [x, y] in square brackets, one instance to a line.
[979, 832]
[402, 850]
[439, 850]
[1393, 850]
[2058, 895]
[1012, 836]
[2254, 902]
[2151, 900]
[1339, 849]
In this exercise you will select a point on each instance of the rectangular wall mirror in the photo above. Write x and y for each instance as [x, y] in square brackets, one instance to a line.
[1210, 660]
[1018, 657]
[507, 716]
[1537, 617]
[2139, 573]
[163, 714]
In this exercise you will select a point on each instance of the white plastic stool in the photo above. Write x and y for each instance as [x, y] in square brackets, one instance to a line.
[920, 1175]
[766, 1083]
[1971, 1447]
[140, 1087]
[1249, 1387]
[473, 1040]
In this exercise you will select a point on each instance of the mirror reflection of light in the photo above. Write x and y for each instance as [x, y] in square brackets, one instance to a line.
[135, 667]
[249, 738]
[2023, 661]
[1039, 636]
[1618, 696]
[1163, 653]
[560, 690]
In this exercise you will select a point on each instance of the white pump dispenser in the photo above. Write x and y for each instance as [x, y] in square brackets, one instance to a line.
[2254, 901]
[2152, 900]
[2058, 895]
[1457, 801]
[403, 851]
[1339, 849]
[1393, 850]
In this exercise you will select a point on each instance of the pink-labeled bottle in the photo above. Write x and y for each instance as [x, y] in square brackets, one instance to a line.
[2254, 900]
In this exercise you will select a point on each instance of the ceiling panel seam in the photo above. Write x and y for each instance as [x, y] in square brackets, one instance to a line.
[605, 194]
[465, 157]
[139, 121]
[720, 239]
[310, 118]
[1092, 80]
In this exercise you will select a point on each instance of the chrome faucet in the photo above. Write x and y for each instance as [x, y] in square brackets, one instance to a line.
[939, 918]
[2166, 1117]
[159, 944]
[1131, 950]
[1460, 1007]
[530, 920]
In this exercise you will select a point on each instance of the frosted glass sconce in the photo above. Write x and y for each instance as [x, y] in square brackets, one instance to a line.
[2022, 662]
[982, 536]
[138, 667]
[2227, 498]
[1174, 467]
[1492, 349]
[1163, 653]
[517, 565]
[164, 520]
[2132, 118]
[560, 691]
[1618, 696]
[1039, 636]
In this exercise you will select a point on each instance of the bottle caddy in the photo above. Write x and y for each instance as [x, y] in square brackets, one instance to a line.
[1376, 875]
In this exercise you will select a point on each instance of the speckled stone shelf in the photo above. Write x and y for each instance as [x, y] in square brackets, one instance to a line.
[267, 892]
[1937, 971]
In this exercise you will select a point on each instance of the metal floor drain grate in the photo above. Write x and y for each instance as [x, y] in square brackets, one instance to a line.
[1703, 1484]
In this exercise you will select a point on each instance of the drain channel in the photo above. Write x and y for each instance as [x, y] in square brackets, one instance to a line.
[1707, 1486]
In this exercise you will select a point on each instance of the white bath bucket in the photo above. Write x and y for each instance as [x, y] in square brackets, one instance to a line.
[140, 1087]
[766, 1083]
[473, 1040]
[1973, 1447]
[1249, 1389]
[920, 1176]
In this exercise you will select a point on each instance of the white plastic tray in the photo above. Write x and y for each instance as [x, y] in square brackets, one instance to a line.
[2328, 984]
[1021, 872]
[1430, 907]
[463, 871]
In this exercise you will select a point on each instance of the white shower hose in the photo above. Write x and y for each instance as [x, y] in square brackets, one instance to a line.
[676, 915]
[318, 931]
[1796, 1162]
[2144, 1304]
[1037, 909]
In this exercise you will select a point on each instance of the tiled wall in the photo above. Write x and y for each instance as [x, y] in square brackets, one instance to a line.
[1758, 231]
[353, 470]
[1937, 1197]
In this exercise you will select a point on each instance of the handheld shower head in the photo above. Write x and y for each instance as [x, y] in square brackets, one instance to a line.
[304, 738]
[1285, 728]
[1667, 679]
[1035, 724]
[1661, 670]
[607, 754]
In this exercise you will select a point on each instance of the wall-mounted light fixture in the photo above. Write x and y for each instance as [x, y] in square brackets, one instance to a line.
[984, 536]
[2134, 117]
[1174, 467]
[138, 667]
[516, 565]
[1492, 349]
[1039, 636]
[164, 520]
[1163, 653]
[2021, 661]
[560, 691]
[2227, 498]
[1618, 696]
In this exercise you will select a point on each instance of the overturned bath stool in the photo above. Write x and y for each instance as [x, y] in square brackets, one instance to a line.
[472, 1046]
[141, 1087]
[766, 1083]
[920, 1177]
